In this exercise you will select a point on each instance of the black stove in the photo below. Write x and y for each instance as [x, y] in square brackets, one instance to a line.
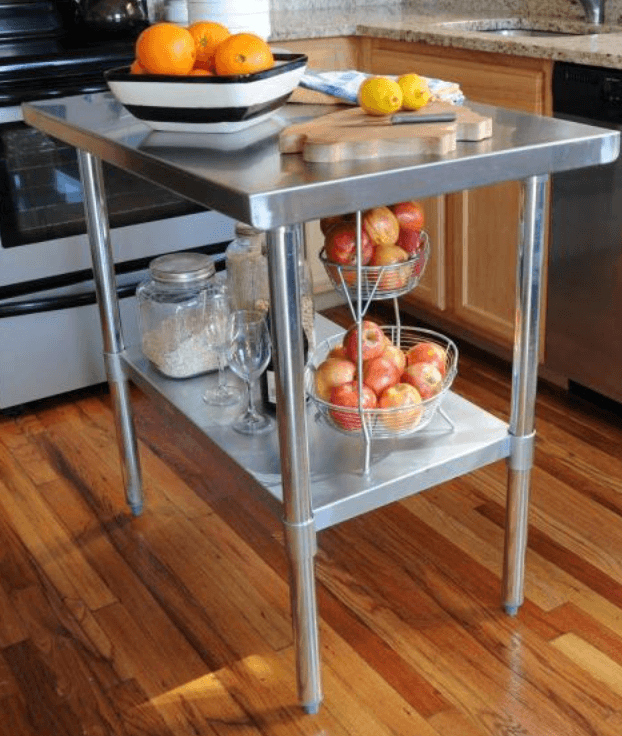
[56, 57]
[69, 68]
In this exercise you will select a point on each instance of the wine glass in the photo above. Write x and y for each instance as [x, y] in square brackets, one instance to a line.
[217, 316]
[249, 355]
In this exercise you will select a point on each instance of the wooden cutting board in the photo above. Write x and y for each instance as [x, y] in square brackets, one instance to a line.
[353, 134]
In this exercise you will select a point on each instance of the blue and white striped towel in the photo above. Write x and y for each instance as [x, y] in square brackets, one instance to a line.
[345, 85]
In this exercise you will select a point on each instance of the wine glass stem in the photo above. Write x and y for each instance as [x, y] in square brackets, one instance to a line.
[222, 379]
[251, 412]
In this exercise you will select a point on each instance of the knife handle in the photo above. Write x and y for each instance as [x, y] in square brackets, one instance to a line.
[407, 118]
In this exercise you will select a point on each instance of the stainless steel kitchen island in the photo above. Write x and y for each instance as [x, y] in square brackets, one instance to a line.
[315, 477]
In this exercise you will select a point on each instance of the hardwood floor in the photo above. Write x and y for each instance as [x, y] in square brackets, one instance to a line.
[177, 623]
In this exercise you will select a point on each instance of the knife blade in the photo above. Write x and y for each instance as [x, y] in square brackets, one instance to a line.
[408, 118]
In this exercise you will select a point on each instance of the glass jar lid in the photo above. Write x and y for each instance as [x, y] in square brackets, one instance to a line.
[242, 230]
[182, 268]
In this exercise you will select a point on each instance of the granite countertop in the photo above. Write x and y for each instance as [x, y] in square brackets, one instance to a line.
[598, 47]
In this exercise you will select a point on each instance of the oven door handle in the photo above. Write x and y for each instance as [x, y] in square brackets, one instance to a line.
[56, 303]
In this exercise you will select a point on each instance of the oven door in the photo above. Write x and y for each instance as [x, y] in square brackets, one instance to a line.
[51, 340]
[42, 224]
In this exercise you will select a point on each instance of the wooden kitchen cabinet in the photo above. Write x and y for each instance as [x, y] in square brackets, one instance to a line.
[471, 282]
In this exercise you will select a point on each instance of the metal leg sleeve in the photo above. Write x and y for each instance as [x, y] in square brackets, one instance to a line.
[98, 230]
[524, 386]
[301, 547]
[126, 436]
[517, 513]
[284, 245]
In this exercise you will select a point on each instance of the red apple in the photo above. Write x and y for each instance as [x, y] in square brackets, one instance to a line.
[395, 355]
[402, 399]
[347, 395]
[380, 373]
[326, 223]
[428, 352]
[372, 341]
[337, 352]
[425, 377]
[330, 373]
[391, 277]
[381, 225]
[340, 244]
[410, 240]
[409, 214]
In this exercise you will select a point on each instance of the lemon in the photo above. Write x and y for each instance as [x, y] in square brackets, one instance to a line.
[380, 96]
[415, 91]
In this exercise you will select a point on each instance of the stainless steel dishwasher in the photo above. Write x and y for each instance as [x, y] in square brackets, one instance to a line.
[584, 312]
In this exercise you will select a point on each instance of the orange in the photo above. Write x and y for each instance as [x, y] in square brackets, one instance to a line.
[198, 72]
[207, 35]
[208, 66]
[166, 48]
[242, 53]
[137, 68]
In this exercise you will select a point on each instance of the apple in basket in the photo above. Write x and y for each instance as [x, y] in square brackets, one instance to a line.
[381, 225]
[391, 255]
[403, 401]
[326, 223]
[409, 215]
[425, 377]
[380, 373]
[337, 352]
[347, 395]
[395, 355]
[428, 352]
[410, 240]
[330, 373]
[373, 341]
[340, 244]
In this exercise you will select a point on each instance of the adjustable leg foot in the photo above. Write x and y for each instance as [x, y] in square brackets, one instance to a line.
[312, 708]
[511, 610]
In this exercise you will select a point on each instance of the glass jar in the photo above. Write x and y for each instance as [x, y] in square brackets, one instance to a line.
[172, 314]
[247, 269]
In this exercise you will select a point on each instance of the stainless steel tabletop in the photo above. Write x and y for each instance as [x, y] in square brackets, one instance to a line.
[244, 176]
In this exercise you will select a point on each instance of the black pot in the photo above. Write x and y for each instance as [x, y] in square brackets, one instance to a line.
[114, 16]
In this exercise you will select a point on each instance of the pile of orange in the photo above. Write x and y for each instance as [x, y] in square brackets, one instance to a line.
[205, 47]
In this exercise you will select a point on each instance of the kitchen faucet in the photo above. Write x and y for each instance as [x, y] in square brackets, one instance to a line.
[594, 11]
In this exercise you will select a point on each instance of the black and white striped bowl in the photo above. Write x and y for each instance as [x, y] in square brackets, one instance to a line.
[207, 104]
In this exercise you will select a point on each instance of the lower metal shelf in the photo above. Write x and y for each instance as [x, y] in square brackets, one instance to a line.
[340, 490]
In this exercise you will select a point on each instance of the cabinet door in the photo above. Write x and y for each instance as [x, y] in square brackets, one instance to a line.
[326, 53]
[481, 224]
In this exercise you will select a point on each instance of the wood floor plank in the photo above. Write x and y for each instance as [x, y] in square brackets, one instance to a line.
[17, 441]
[45, 537]
[406, 680]
[592, 660]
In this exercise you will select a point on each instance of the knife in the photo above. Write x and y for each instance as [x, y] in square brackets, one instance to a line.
[407, 118]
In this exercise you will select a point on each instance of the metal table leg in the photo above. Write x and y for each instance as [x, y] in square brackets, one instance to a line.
[524, 386]
[103, 271]
[284, 245]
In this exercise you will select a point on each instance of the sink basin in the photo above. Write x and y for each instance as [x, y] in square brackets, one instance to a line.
[533, 32]
[517, 29]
